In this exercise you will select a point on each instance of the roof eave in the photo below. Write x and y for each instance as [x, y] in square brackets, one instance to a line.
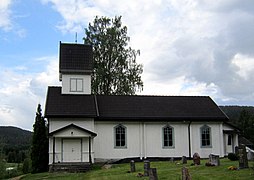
[162, 118]
[69, 116]
[76, 71]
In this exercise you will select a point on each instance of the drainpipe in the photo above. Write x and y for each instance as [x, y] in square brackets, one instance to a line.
[54, 149]
[189, 140]
[90, 156]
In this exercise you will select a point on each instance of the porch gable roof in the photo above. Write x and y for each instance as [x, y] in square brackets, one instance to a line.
[93, 134]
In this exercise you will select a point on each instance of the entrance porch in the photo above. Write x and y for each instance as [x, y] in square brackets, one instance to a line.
[70, 147]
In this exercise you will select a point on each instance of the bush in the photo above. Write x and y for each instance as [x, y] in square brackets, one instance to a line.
[12, 173]
[2, 169]
[26, 166]
[232, 157]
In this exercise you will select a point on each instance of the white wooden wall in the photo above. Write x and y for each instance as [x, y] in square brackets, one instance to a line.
[144, 139]
[57, 123]
[66, 83]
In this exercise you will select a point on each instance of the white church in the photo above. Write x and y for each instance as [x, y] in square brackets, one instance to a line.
[85, 127]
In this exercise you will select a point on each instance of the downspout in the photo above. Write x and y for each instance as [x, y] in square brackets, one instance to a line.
[189, 140]
[54, 149]
[90, 156]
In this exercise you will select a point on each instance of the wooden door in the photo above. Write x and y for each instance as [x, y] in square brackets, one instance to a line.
[72, 150]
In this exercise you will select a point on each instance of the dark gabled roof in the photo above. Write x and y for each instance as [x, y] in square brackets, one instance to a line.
[75, 58]
[243, 140]
[65, 105]
[109, 107]
[159, 107]
[75, 126]
[235, 128]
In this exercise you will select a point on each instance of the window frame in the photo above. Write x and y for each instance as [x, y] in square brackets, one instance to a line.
[76, 89]
[205, 128]
[125, 137]
[163, 137]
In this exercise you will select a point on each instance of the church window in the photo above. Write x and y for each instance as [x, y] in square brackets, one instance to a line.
[120, 136]
[205, 132]
[168, 133]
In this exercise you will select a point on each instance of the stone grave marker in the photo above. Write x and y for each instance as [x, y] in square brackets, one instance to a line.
[250, 155]
[146, 167]
[243, 161]
[236, 149]
[153, 174]
[132, 165]
[184, 159]
[196, 159]
[185, 174]
[214, 159]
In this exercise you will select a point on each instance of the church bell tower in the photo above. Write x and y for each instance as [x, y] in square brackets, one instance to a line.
[75, 68]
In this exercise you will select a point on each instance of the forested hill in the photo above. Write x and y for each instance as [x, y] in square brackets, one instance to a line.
[13, 137]
[233, 112]
[243, 118]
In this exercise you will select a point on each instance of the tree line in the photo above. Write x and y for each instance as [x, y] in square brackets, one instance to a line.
[243, 118]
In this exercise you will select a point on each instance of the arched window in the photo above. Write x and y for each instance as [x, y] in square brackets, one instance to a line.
[205, 132]
[168, 134]
[120, 136]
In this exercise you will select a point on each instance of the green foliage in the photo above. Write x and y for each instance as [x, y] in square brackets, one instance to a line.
[232, 157]
[246, 122]
[39, 154]
[12, 173]
[2, 168]
[115, 67]
[26, 166]
[242, 117]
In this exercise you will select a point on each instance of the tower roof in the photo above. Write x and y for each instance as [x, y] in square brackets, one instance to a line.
[75, 58]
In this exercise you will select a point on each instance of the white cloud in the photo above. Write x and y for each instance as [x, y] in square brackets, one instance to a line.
[5, 12]
[245, 66]
[198, 42]
[20, 92]
[76, 13]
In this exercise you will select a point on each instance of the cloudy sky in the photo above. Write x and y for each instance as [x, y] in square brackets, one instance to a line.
[188, 47]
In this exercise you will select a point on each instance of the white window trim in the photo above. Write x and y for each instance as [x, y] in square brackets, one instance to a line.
[173, 138]
[120, 147]
[76, 85]
[210, 136]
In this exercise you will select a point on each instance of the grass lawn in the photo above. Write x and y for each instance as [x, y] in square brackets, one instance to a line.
[165, 170]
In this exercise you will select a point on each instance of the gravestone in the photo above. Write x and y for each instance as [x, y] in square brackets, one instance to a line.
[184, 160]
[236, 149]
[153, 174]
[172, 159]
[146, 167]
[132, 165]
[250, 155]
[196, 159]
[214, 159]
[243, 161]
[185, 174]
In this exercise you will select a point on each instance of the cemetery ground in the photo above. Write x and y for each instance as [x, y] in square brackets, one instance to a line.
[165, 170]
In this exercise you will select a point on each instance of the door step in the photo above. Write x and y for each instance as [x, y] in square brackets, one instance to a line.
[70, 167]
